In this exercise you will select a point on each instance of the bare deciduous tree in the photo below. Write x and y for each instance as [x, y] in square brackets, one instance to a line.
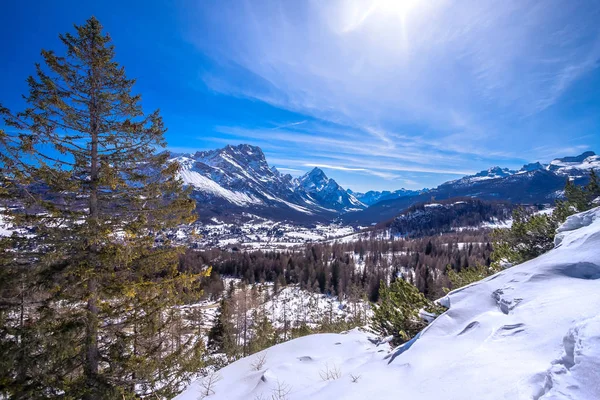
[208, 384]
[259, 361]
[281, 391]
[330, 373]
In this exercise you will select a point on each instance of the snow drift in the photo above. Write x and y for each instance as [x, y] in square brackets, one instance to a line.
[529, 332]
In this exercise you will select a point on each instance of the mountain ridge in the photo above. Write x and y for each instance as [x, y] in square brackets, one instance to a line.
[533, 183]
[237, 180]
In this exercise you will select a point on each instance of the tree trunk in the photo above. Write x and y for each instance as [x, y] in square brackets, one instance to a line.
[91, 342]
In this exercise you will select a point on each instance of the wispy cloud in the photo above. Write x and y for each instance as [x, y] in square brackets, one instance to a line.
[291, 124]
[436, 86]
[337, 167]
[290, 170]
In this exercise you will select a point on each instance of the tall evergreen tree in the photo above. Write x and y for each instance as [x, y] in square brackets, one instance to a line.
[265, 335]
[221, 336]
[81, 172]
[593, 187]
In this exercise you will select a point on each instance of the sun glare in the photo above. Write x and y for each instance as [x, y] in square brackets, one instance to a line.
[377, 10]
[399, 7]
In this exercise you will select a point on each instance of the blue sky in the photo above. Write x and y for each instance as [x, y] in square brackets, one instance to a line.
[381, 94]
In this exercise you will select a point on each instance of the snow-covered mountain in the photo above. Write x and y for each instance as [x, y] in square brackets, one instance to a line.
[575, 165]
[533, 183]
[318, 188]
[529, 332]
[491, 173]
[234, 180]
[373, 196]
[238, 179]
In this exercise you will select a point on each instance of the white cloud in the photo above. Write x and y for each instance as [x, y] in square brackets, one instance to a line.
[426, 86]
[373, 62]
[338, 167]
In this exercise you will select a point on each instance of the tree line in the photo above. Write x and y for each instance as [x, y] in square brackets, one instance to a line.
[340, 268]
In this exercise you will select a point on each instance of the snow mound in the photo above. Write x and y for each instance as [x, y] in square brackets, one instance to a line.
[300, 365]
[528, 332]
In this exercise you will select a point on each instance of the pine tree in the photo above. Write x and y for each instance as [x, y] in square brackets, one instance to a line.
[397, 312]
[576, 196]
[221, 336]
[529, 236]
[81, 172]
[264, 335]
[468, 275]
[593, 188]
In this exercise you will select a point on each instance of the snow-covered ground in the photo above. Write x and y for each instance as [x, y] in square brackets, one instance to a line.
[528, 332]
[291, 306]
[5, 227]
[301, 306]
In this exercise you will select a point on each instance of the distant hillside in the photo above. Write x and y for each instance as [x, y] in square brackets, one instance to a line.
[426, 219]
[533, 183]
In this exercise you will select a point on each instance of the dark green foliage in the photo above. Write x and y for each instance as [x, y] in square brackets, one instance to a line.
[264, 336]
[302, 330]
[593, 187]
[533, 234]
[323, 267]
[397, 312]
[420, 220]
[529, 236]
[576, 197]
[91, 280]
[221, 336]
[468, 275]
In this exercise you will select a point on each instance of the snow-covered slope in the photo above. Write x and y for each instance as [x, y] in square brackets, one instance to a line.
[491, 173]
[575, 166]
[529, 332]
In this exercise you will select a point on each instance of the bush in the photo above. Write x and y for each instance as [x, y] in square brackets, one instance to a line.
[530, 236]
[468, 275]
[397, 313]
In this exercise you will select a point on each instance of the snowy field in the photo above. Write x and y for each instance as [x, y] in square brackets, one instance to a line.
[529, 332]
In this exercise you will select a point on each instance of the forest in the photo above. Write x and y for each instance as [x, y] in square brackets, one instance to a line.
[339, 268]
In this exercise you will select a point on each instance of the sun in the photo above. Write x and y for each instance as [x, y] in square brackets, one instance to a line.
[399, 7]
[378, 11]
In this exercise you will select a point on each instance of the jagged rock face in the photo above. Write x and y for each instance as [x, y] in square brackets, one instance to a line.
[319, 188]
[532, 167]
[237, 179]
